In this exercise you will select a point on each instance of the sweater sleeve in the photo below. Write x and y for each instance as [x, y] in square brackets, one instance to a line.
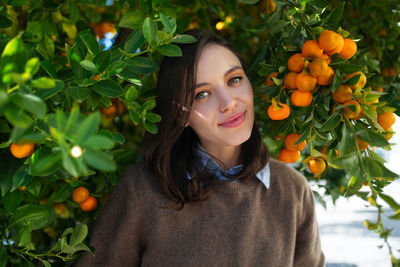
[308, 247]
[116, 232]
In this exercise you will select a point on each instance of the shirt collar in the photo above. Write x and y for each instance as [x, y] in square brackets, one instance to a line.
[207, 161]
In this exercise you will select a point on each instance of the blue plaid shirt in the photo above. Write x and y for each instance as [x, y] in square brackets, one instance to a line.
[207, 161]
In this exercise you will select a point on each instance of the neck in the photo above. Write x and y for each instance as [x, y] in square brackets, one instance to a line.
[228, 155]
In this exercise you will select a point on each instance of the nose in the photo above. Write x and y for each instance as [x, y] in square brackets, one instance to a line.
[227, 100]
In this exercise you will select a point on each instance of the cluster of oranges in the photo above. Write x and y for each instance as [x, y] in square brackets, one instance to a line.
[306, 73]
[87, 202]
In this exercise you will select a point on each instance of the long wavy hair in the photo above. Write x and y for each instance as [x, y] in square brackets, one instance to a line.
[169, 154]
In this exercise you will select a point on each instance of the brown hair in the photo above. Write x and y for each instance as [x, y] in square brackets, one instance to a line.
[169, 154]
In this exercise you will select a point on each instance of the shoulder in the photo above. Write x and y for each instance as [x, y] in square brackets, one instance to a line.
[287, 180]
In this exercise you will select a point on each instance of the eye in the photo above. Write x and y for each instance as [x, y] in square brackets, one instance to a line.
[201, 95]
[235, 80]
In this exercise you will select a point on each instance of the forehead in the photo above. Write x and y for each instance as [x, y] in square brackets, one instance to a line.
[214, 60]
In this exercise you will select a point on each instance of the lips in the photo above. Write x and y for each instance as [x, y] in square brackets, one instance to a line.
[234, 120]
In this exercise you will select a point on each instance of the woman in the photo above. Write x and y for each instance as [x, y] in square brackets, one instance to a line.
[207, 194]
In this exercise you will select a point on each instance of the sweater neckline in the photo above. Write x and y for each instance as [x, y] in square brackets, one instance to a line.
[234, 187]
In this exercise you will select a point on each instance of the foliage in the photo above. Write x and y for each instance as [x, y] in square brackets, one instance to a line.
[85, 108]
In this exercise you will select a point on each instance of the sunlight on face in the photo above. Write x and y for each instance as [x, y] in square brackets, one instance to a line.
[222, 114]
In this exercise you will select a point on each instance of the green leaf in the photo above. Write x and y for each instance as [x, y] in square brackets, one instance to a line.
[62, 194]
[344, 162]
[44, 162]
[99, 160]
[332, 122]
[150, 127]
[88, 127]
[11, 200]
[376, 139]
[372, 167]
[90, 42]
[355, 184]
[346, 144]
[370, 112]
[37, 216]
[153, 117]
[46, 94]
[184, 39]
[21, 177]
[30, 103]
[348, 67]
[116, 67]
[108, 88]
[353, 80]
[32, 66]
[130, 77]
[88, 65]
[336, 14]
[78, 93]
[118, 138]
[25, 239]
[396, 216]
[98, 142]
[249, 2]
[149, 30]
[74, 13]
[132, 19]
[18, 2]
[49, 68]
[3, 256]
[149, 104]
[102, 60]
[134, 41]
[337, 80]
[4, 22]
[389, 200]
[169, 50]
[78, 235]
[169, 24]
[43, 83]
[131, 94]
[12, 59]
[134, 117]
[17, 116]
[141, 65]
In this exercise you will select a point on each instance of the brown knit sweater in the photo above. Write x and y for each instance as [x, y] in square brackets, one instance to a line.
[240, 224]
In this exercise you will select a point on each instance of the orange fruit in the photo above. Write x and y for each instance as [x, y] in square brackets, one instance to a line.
[362, 145]
[342, 93]
[269, 80]
[388, 134]
[296, 63]
[327, 78]
[349, 49]
[61, 210]
[379, 89]
[109, 111]
[393, 72]
[348, 112]
[290, 80]
[326, 57]
[301, 99]
[385, 72]
[305, 82]
[89, 205]
[339, 46]
[316, 165]
[23, 187]
[290, 141]
[96, 77]
[289, 156]
[311, 49]
[318, 67]
[22, 150]
[80, 194]
[280, 114]
[328, 40]
[271, 6]
[386, 119]
[361, 81]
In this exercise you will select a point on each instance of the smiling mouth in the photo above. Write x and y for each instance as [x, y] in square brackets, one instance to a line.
[235, 122]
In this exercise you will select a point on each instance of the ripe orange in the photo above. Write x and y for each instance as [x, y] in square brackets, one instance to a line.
[290, 80]
[386, 119]
[271, 6]
[289, 156]
[109, 111]
[361, 81]
[280, 114]
[290, 141]
[316, 165]
[96, 77]
[311, 49]
[90, 204]
[296, 63]
[301, 99]
[339, 46]
[22, 150]
[269, 80]
[318, 67]
[342, 93]
[348, 112]
[23, 187]
[327, 78]
[305, 82]
[388, 134]
[362, 145]
[349, 49]
[328, 40]
[61, 210]
[80, 194]
[326, 57]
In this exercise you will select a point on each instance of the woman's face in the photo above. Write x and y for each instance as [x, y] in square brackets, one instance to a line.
[222, 113]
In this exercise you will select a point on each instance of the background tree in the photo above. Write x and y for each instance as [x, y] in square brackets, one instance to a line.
[77, 93]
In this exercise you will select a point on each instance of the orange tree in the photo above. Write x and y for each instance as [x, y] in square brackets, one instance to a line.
[73, 110]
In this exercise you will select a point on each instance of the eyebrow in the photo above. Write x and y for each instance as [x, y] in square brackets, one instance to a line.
[226, 74]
